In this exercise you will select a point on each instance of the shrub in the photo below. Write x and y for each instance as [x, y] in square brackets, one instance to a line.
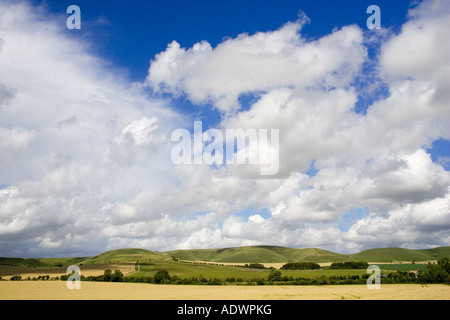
[254, 265]
[161, 276]
[300, 266]
[274, 275]
[349, 265]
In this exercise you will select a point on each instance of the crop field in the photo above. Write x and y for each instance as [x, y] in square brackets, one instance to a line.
[7, 271]
[57, 290]
[221, 272]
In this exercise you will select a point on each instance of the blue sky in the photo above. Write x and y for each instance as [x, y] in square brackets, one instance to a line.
[129, 32]
[363, 117]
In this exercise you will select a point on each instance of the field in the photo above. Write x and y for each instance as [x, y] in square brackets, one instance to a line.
[183, 269]
[57, 290]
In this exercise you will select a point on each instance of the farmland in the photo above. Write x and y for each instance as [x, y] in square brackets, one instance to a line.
[251, 277]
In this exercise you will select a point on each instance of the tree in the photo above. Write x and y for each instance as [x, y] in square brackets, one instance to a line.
[161, 276]
[107, 275]
[274, 275]
[444, 263]
[117, 276]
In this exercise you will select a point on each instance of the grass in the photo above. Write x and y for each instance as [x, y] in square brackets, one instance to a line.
[401, 254]
[402, 266]
[258, 254]
[222, 272]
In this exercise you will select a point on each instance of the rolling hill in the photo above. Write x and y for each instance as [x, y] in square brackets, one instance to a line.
[248, 254]
[255, 254]
[266, 254]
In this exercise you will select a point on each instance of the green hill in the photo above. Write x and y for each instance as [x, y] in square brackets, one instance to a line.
[401, 254]
[126, 255]
[249, 254]
[276, 254]
[255, 254]
[113, 256]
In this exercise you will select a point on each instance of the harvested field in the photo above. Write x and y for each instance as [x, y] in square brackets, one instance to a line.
[86, 270]
[50, 290]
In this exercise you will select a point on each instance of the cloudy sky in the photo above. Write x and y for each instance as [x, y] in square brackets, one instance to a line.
[86, 118]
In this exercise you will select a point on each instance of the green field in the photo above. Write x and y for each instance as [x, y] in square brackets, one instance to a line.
[222, 272]
[402, 267]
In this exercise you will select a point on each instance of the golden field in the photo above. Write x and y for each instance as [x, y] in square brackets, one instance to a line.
[57, 290]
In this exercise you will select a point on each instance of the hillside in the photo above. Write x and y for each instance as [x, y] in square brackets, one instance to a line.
[113, 256]
[126, 255]
[249, 254]
[262, 254]
[401, 254]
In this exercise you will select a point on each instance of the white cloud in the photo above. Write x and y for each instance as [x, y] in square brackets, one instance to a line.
[254, 63]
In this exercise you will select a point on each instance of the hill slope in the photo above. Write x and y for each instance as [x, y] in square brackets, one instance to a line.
[113, 256]
[126, 255]
[401, 254]
[266, 254]
[254, 254]
[250, 254]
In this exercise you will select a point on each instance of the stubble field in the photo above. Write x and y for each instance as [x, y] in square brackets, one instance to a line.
[57, 290]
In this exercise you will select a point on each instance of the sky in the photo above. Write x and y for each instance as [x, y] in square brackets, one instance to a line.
[87, 117]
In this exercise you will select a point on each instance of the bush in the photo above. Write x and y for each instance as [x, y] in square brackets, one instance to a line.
[254, 265]
[349, 265]
[274, 275]
[117, 276]
[16, 278]
[161, 276]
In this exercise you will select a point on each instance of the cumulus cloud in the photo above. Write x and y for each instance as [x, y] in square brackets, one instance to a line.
[255, 63]
[66, 131]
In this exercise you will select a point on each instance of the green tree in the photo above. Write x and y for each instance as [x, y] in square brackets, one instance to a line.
[161, 276]
[444, 263]
[117, 276]
[274, 275]
[107, 275]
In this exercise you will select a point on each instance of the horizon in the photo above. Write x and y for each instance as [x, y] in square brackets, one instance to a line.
[90, 102]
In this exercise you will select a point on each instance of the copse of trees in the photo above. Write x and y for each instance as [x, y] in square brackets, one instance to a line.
[274, 275]
[162, 276]
[349, 265]
[436, 273]
[254, 265]
[300, 266]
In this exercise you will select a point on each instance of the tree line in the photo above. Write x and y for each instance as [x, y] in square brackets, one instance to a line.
[349, 265]
[300, 266]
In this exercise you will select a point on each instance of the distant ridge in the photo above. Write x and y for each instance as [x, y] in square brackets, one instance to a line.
[274, 254]
[247, 254]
